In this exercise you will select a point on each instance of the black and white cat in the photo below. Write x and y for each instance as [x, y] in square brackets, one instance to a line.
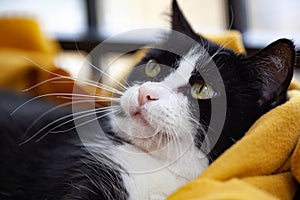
[161, 133]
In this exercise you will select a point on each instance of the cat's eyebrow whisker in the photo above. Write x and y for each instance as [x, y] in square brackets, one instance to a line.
[221, 47]
[99, 70]
[206, 59]
[104, 73]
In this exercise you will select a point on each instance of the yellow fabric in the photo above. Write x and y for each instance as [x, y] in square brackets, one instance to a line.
[230, 39]
[210, 189]
[24, 34]
[27, 58]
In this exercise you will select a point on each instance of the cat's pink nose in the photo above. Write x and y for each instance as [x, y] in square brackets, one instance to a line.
[150, 92]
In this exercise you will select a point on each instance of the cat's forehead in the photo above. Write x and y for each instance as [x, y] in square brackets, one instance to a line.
[185, 66]
[190, 64]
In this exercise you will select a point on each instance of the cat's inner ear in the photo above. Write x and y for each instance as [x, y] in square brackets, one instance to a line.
[179, 22]
[273, 68]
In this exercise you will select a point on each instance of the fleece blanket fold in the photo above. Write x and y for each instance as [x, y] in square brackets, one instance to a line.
[264, 164]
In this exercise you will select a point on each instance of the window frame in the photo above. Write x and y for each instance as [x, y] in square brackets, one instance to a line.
[236, 18]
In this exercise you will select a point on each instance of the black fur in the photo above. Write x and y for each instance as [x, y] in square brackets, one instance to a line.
[57, 166]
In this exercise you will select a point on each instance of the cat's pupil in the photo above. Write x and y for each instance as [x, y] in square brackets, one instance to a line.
[202, 91]
[201, 88]
[152, 68]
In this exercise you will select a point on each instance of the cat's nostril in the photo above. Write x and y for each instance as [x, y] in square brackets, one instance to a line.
[149, 98]
[146, 95]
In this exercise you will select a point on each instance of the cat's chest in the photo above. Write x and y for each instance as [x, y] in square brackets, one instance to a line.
[147, 177]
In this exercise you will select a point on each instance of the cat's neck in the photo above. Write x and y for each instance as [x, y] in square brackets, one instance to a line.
[143, 172]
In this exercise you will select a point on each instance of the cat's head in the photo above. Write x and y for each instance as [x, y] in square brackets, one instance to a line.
[176, 83]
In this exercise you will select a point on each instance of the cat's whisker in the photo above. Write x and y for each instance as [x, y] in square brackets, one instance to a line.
[221, 47]
[95, 111]
[90, 112]
[66, 130]
[103, 87]
[104, 73]
[160, 140]
[176, 142]
[92, 83]
[57, 94]
[91, 99]
[87, 113]
[53, 109]
[173, 149]
[59, 76]
[159, 129]
[121, 79]
[167, 143]
[81, 124]
[41, 83]
[176, 146]
[87, 82]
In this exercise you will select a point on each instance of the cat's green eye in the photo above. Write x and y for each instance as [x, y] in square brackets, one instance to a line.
[201, 90]
[152, 68]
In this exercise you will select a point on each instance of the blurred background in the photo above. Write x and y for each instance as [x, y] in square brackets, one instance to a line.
[79, 25]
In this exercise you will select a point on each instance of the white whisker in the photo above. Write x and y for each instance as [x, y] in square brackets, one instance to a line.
[91, 99]
[104, 73]
[87, 82]
[52, 109]
[41, 83]
[89, 112]
[50, 131]
[56, 94]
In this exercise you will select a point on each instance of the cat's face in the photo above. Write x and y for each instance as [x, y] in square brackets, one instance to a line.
[171, 95]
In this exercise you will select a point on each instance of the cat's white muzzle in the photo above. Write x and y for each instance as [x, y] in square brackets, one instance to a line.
[153, 112]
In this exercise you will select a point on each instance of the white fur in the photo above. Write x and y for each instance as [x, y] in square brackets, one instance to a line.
[185, 67]
[162, 155]
[152, 178]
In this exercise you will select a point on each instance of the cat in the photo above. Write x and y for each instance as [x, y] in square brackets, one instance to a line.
[160, 133]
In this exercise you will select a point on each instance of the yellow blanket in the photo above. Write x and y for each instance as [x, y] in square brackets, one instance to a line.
[264, 164]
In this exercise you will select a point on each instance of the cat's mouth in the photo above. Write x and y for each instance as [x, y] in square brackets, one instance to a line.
[139, 118]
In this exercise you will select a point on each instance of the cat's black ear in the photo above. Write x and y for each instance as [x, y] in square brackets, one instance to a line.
[273, 68]
[179, 22]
